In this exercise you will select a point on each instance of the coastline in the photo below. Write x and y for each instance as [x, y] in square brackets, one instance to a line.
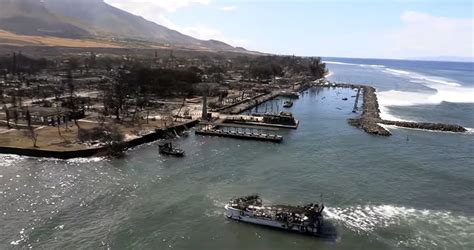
[370, 119]
[329, 74]
[96, 151]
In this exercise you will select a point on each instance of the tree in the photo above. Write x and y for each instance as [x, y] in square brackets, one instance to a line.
[317, 68]
[58, 116]
[73, 63]
[1, 91]
[15, 117]
[72, 101]
[115, 96]
[7, 115]
[31, 130]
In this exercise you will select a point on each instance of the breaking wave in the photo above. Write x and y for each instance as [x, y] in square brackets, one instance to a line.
[442, 90]
[470, 131]
[424, 227]
[422, 78]
[354, 64]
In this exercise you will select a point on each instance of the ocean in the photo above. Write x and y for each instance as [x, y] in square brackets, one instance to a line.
[379, 192]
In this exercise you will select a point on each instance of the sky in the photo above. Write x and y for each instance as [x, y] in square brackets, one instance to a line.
[339, 28]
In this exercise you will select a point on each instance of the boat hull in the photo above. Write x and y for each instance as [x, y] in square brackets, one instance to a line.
[239, 215]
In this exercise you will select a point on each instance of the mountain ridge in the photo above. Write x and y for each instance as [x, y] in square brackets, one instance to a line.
[89, 19]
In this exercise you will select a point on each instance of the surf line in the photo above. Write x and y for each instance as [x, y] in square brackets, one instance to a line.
[370, 120]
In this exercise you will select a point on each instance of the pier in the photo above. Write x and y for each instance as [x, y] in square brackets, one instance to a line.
[244, 105]
[257, 121]
[238, 132]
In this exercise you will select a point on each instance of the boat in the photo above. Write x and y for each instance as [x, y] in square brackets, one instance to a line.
[294, 95]
[167, 149]
[288, 104]
[306, 219]
[284, 118]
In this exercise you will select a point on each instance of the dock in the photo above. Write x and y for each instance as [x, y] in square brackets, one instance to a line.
[239, 134]
[234, 120]
[250, 103]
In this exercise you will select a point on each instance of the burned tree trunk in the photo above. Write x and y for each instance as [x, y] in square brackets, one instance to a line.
[31, 130]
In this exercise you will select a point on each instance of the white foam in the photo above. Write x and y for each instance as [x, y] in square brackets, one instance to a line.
[420, 78]
[354, 64]
[10, 160]
[330, 73]
[86, 160]
[397, 72]
[442, 90]
[470, 131]
[427, 224]
[339, 63]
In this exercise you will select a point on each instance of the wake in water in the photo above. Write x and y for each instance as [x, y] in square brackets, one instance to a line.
[424, 228]
[10, 160]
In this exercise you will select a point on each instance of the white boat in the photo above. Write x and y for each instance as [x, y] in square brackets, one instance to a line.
[302, 219]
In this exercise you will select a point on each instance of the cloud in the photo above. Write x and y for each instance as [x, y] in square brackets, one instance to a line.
[206, 33]
[157, 10]
[228, 8]
[427, 35]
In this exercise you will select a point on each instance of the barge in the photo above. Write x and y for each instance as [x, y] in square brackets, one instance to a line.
[300, 219]
[168, 149]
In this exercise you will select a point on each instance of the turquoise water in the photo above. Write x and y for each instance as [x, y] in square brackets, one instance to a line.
[380, 193]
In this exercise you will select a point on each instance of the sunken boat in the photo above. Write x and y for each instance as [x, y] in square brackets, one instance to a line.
[284, 118]
[300, 219]
[288, 104]
[168, 149]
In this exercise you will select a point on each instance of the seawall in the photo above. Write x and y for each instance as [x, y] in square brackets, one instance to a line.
[158, 134]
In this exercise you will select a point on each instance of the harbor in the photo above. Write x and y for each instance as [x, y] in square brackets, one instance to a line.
[370, 120]
[183, 194]
[163, 198]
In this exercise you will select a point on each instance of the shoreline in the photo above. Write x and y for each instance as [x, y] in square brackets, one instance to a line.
[330, 73]
[97, 151]
[373, 120]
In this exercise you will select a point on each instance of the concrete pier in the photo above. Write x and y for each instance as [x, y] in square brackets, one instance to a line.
[239, 134]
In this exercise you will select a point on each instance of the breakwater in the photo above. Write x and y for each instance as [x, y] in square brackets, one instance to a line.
[371, 122]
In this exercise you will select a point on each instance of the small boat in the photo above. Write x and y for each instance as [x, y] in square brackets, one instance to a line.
[345, 99]
[288, 104]
[301, 219]
[185, 133]
[167, 149]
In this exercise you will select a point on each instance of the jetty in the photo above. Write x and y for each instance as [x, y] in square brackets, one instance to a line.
[371, 122]
[356, 103]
